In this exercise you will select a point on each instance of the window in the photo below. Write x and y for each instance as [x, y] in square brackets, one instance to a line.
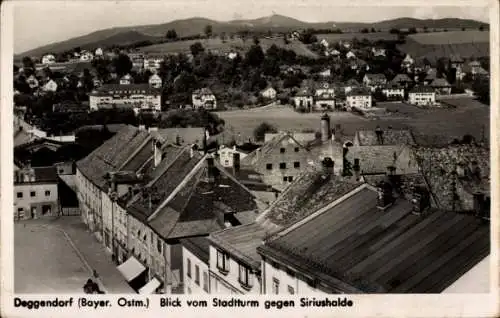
[20, 210]
[47, 193]
[296, 149]
[205, 281]
[222, 262]
[244, 276]
[159, 245]
[296, 164]
[276, 286]
[197, 275]
[32, 194]
[290, 179]
[269, 166]
[19, 194]
[285, 179]
[282, 150]
[291, 291]
[188, 270]
[283, 165]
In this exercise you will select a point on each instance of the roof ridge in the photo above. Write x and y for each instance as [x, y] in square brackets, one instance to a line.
[177, 188]
[141, 146]
[150, 183]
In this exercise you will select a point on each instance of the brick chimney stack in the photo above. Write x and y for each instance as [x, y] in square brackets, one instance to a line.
[211, 169]
[357, 169]
[385, 197]
[420, 200]
[236, 163]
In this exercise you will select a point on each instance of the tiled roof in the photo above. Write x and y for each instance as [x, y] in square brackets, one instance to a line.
[203, 91]
[311, 191]
[439, 166]
[242, 241]
[190, 136]
[199, 246]
[193, 210]
[111, 155]
[359, 92]
[440, 82]
[390, 137]
[391, 251]
[379, 77]
[45, 174]
[374, 159]
[401, 78]
[107, 89]
[352, 82]
[113, 128]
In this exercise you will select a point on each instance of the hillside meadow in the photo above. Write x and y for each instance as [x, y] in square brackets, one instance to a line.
[220, 46]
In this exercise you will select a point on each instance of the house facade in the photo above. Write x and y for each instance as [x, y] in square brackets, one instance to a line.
[48, 59]
[35, 193]
[422, 96]
[304, 99]
[269, 93]
[195, 260]
[204, 98]
[126, 80]
[227, 155]
[155, 81]
[393, 92]
[50, 86]
[134, 96]
[359, 98]
[153, 62]
[374, 81]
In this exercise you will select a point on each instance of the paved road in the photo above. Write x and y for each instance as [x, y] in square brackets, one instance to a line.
[51, 242]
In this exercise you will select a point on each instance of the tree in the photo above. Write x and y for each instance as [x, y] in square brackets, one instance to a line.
[394, 31]
[171, 34]
[412, 30]
[208, 30]
[256, 40]
[481, 88]
[364, 30]
[197, 48]
[481, 28]
[122, 64]
[260, 131]
[255, 56]
[28, 63]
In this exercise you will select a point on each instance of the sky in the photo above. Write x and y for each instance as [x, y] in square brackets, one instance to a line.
[38, 23]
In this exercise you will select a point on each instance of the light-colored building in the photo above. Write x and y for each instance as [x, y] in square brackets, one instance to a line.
[269, 93]
[422, 95]
[155, 81]
[86, 56]
[126, 79]
[50, 86]
[441, 86]
[133, 96]
[359, 98]
[32, 81]
[407, 63]
[304, 99]
[195, 258]
[350, 55]
[204, 98]
[99, 52]
[394, 92]
[227, 155]
[48, 59]
[152, 62]
[374, 81]
[35, 193]
[325, 73]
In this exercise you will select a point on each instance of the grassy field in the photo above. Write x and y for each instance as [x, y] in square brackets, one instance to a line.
[451, 37]
[469, 118]
[333, 37]
[217, 45]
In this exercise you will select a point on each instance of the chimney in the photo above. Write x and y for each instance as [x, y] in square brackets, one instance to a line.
[325, 128]
[211, 169]
[157, 155]
[385, 198]
[177, 140]
[380, 135]
[112, 183]
[357, 169]
[478, 204]
[236, 163]
[420, 200]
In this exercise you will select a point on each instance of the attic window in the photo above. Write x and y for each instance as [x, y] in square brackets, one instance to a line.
[282, 150]
[296, 149]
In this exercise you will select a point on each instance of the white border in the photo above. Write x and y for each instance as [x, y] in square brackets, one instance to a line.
[474, 305]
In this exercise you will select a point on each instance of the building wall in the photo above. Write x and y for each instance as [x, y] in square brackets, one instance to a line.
[138, 238]
[64, 168]
[191, 286]
[275, 175]
[422, 98]
[393, 93]
[25, 205]
[285, 281]
[226, 156]
[324, 104]
[228, 283]
[269, 93]
[107, 220]
[135, 101]
[201, 100]
[362, 102]
[303, 101]
[120, 233]
[89, 199]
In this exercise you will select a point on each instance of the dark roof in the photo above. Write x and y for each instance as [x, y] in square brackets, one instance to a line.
[439, 166]
[374, 159]
[111, 155]
[199, 246]
[390, 137]
[401, 78]
[22, 137]
[113, 128]
[203, 91]
[391, 251]
[422, 89]
[261, 153]
[192, 135]
[440, 82]
[378, 77]
[193, 208]
[359, 92]
[107, 89]
[45, 174]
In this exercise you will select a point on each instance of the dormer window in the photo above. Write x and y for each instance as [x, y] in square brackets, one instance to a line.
[222, 262]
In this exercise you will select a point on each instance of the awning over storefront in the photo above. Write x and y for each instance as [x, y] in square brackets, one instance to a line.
[131, 268]
[150, 287]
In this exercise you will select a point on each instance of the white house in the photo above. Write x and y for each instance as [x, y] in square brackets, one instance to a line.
[325, 43]
[407, 62]
[195, 260]
[155, 81]
[153, 62]
[50, 86]
[393, 92]
[227, 154]
[134, 96]
[99, 52]
[324, 88]
[303, 99]
[359, 98]
[48, 59]
[325, 73]
[86, 56]
[350, 55]
[332, 52]
[269, 93]
[204, 98]
[378, 51]
[374, 81]
[422, 95]
[126, 80]
[232, 55]
[32, 81]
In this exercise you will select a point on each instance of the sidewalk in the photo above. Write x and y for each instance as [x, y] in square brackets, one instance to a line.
[95, 255]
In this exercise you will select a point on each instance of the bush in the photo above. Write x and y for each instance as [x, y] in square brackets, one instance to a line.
[260, 131]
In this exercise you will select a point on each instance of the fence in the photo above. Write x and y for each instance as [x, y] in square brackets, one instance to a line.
[70, 211]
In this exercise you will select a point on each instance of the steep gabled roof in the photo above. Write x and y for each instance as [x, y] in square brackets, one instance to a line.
[375, 159]
[390, 137]
[440, 82]
[261, 153]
